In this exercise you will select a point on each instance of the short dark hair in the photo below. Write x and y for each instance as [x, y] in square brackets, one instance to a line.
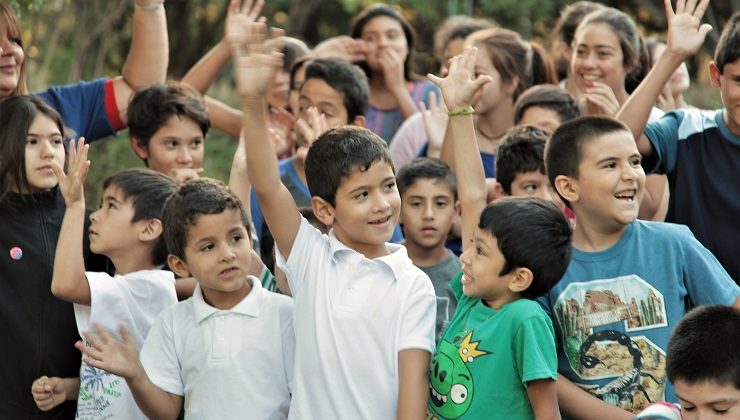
[193, 199]
[564, 150]
[336, 153]
[381, 9]
[531, 233]
[148, 191]
[150, 109]
[425, 168]
[549, 97]
[346, 79]
[16, 116]
[728, 47]
[703, 347]
[521, 150]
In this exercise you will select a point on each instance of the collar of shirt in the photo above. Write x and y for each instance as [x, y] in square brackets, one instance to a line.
[249, 306]
[397, 260]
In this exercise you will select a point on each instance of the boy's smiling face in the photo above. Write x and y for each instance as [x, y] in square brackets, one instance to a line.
[606, 194]
[217, 254]
[428, 212]
[708, 400]
[366, 210]
[482, 264]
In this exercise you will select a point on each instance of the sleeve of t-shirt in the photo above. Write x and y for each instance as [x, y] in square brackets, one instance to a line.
[707, 282]
[159, 356]
[419, 317]
[308, 248]
[534, 349]
[88, 108]
[407, 140]
[288, 339]
[663, 135]
[108, 308]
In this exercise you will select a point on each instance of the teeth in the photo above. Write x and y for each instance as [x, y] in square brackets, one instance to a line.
[444, 398]
[590, 77]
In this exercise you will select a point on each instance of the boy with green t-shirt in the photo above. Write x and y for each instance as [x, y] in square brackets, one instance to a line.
[497, 357]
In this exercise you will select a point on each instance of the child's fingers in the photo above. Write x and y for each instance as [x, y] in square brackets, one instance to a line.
[679, 6]
[434, 79]
[700, 9]
[125, 337]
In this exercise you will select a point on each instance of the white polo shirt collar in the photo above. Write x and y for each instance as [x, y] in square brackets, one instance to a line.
[249, 306]
[397, 261]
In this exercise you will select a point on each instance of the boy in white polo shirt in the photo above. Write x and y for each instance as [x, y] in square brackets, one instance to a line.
[227, 351]
[365, 314]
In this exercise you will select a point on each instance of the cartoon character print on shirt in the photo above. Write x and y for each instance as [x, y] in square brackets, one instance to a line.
[451, 385]
[635, 365]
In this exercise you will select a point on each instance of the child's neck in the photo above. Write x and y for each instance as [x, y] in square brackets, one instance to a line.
[590, 237]
[498, 302]
[426, 257]
[493, 125]
[132, 260]
[226, 300]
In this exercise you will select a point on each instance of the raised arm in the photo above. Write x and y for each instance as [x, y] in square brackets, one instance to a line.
[458, 89]
[255, 67]
[122, 358]
[685, 36]
[148, 56]
[68, 281]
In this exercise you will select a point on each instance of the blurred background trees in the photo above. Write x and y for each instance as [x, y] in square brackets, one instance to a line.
[70, 40]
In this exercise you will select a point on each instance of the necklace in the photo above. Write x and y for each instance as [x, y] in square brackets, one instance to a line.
[493, 141]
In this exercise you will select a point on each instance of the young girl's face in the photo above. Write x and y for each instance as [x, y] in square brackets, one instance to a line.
[598, 58]
[11, 59]
[44, 146]
[494, 92]
[382, 34]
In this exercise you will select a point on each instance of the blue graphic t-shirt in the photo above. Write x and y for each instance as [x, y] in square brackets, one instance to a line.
[614, 310]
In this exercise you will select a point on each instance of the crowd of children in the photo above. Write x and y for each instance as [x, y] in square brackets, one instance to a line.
[481, 244]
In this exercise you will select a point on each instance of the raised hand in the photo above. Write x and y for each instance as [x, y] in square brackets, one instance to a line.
[105, 352]
[460, 86]
[685, 32]
[344, 47]
[71, 183]
[393, 67]
[256, 63]
[48, 392]
[238, 16]
[310, 129]
[435, 120]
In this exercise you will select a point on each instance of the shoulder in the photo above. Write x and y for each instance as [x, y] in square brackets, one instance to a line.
[660, 231]
[523, 310]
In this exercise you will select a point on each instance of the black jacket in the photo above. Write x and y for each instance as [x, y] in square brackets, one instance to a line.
[38, 330]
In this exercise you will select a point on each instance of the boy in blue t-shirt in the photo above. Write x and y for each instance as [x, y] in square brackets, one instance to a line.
[497, 357]
[629, 281]
[698, 150]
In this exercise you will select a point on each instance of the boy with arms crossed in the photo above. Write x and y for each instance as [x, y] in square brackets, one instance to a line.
[429, 208]
[127, 228]
[226, 351]
[629, 281]
[698, 150]
[497, 357]
[364, 313]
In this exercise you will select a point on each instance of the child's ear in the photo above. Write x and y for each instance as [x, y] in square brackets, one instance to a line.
[567, 187]
[178, 266]
[522, 280]
[323, 210]
[714, 75]
[511, 86]
[499, 190]
[151, 231]
[359, 121]
[140, 150]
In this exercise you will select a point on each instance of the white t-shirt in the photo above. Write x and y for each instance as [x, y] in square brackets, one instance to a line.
[228, 364]
[134, 300]
[353, 316]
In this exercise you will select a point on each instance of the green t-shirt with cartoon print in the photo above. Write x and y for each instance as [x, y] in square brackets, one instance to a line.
[486, 357]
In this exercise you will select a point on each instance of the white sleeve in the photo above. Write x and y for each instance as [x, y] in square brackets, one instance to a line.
[419, 316]
[310, 248]
[107, 305]
[288, 340]
[159, 355]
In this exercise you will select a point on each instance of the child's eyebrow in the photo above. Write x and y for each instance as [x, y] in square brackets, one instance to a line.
[111, 198]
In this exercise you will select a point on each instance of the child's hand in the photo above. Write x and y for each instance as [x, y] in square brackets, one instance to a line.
[71, 183]
[344, 47]
[256, 64]
[599, 100]
[459, 87]
[311, 128]
[393, 69]
[685, 32]
[183, 175]
[48, 392]
[105, 352]
[435, 121]
[238, 17]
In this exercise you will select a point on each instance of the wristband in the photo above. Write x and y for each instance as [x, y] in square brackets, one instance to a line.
[149, 7]
[461, 110]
